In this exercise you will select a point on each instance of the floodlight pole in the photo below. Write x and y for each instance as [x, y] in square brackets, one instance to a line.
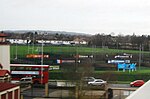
[16, 51]
[42, 62]
[33, 42]
[140, 56]
[28, 38]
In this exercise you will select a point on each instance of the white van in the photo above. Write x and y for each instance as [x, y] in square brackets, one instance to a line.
[26, 80]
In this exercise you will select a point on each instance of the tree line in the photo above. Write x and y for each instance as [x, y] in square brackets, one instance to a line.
[132, 42]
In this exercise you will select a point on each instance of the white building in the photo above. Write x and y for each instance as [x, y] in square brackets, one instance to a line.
[4, 52]
[18, 41]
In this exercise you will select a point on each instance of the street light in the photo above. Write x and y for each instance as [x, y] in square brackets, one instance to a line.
[140, 49]
[33, 38]
[42, 62]
[28, 39]
[16, 51]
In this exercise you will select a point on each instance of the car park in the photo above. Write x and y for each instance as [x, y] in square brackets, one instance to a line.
[97, 82]
[137, 83]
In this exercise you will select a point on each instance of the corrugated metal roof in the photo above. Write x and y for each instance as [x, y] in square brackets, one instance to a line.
[3, 72]
[6, 86]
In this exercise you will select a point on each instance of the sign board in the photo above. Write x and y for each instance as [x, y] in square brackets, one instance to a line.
[36, 56]
[84, 56]
[118, 61]
[55, 67]
[125, 55]
[65, 61]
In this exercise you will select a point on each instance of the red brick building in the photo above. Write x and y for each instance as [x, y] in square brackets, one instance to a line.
[9, 91]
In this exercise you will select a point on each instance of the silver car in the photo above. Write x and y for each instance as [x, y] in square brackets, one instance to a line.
[97, 82]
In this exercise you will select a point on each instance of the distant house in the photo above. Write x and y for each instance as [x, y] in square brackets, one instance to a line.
[9, 91]
[79, 41]
[4, 76]
[3, 40]
[3, 37]
[53, 42]
[18, 41]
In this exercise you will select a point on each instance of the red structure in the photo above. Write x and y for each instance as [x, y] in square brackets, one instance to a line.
[39, 73]
[9, 91]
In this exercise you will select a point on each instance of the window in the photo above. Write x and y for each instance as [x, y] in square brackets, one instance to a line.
[13, 68]
[20, 68]
[35, 68]
[17, 76]
[28, 68]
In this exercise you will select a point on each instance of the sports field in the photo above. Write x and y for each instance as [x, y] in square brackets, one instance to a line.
[141, 73]
[23, 50]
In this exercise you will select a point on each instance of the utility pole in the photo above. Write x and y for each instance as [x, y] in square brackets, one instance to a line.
[16, 51]
[46, 84]
[28, 40]
[76, 73]
[140, 49]
[42, 62]
[33, 38]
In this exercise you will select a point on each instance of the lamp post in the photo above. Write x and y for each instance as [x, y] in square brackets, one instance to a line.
[28, 39]
[33, 38]
[16, 51]
[42, 62]
[140, 56]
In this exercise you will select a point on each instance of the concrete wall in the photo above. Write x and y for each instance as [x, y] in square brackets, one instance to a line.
[5, 56]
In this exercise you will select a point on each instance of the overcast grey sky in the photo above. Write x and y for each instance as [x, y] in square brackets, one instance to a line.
[87, 16]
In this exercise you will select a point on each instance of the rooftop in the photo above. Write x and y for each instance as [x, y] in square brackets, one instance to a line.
[6, 86]
[3, 72]
[3, 35]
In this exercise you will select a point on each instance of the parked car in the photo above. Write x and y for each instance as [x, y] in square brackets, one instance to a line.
[14, 81]
[26, 80]
[97, 82]
[87, 79]
[137, 83]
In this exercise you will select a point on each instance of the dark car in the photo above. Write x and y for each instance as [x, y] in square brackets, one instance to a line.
[137, 83]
